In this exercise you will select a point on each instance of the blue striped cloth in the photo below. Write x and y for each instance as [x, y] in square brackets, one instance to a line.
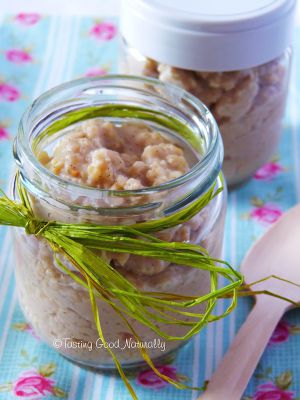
[38, 52]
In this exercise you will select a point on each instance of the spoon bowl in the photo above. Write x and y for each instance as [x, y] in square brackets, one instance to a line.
[273, 260]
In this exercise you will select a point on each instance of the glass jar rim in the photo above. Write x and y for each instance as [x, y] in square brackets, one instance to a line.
[213, 156]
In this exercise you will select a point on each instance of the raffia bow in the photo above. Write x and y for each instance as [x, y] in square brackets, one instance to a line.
[77, 243]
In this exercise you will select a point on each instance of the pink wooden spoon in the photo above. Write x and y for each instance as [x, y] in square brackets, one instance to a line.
[276, 253]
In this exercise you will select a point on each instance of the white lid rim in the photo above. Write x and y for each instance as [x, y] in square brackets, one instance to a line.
[140, 7]
[208, 51]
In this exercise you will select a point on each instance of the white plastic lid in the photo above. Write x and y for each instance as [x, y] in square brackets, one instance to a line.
[209, 35]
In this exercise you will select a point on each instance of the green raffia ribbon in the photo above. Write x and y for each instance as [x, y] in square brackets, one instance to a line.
[122, 111]
[77, 243]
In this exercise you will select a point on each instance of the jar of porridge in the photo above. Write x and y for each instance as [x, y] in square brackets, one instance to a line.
[233, 55]
[84, 157]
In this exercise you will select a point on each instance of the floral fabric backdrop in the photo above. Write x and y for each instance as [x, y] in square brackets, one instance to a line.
[31, 62]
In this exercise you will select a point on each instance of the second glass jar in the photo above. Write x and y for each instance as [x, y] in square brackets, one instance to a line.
[236, 71]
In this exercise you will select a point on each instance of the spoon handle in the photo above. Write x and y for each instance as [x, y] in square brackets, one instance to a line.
[235, 370]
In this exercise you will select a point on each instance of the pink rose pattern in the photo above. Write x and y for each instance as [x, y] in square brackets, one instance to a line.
[17, 56]
[34, 383]
[274, 388]
[103, 31]
[27, 19]
[281, 333]
[4, 135]
[269, 391]
[150, 380]
[95, 71]
[31, 384]
[267, 213]
[8, 92]
[268, 171]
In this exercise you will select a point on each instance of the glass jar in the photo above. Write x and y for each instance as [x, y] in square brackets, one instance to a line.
[57, 307]
[234, 56]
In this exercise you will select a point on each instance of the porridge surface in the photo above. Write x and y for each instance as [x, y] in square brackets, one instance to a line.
[128, 157]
